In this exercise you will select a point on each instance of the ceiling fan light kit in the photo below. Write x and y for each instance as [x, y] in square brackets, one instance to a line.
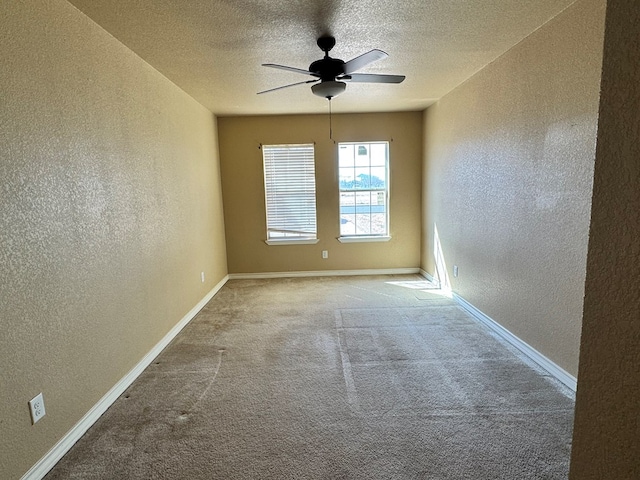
[331, 74]
[328, 89]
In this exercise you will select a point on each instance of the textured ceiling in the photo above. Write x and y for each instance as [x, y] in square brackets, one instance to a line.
[213, 49]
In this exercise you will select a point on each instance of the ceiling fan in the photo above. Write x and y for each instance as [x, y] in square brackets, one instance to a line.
[330, 74]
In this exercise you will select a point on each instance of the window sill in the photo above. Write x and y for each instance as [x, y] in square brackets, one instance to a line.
[292, 241]
[364, 238]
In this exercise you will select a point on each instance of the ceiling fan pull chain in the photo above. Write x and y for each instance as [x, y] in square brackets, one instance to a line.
[330, 126]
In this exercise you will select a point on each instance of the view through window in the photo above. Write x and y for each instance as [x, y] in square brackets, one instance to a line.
[364, 188]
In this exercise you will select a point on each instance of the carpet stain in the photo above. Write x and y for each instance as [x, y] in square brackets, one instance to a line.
[221, 352]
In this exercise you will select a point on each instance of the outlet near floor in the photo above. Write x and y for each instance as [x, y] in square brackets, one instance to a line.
[325, 253]
[36, 407]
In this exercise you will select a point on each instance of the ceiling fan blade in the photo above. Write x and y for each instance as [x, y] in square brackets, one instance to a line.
[287, 86]
[372, 78]
[364, 60]
[289, 69]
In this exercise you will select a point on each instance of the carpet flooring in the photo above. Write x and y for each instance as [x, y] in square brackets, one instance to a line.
[375, 377]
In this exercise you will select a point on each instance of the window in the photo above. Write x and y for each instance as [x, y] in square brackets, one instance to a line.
[290, 193]
[364, 191]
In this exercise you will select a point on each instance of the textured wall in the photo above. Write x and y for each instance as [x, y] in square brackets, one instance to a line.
[606, 441]
[508, 178]
[110, 207]
[243, 191]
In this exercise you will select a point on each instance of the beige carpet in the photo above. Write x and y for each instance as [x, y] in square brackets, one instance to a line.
[332, 378]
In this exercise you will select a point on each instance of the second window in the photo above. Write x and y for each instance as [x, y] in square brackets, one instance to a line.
[364, 188]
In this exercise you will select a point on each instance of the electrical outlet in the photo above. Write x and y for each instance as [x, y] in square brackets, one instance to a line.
[36, 407]
[202, 277]
[455, 271]
[325, 253]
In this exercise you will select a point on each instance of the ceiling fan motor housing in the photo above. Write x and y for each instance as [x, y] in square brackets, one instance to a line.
[327, 68]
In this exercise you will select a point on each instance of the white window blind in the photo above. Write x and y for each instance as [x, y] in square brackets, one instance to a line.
[290, 191]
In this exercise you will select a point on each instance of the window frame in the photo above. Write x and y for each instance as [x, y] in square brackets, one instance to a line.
[275, 219]
[368, 237]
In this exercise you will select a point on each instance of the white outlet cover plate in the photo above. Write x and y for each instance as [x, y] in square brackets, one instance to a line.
[36, 407]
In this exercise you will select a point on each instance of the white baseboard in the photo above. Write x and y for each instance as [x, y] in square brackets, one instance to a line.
[426, 275]
[538, 358]
[325, 273]
[53, 456]
[551, 367]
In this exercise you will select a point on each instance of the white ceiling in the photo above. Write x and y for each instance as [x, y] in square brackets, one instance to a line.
[213, 49]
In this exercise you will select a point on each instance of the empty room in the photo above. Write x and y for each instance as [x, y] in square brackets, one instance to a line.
[333, 239]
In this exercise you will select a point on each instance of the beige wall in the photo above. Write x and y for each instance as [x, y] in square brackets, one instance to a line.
[243, 191]
[508, 178]
[110, 207]
[606, 442]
